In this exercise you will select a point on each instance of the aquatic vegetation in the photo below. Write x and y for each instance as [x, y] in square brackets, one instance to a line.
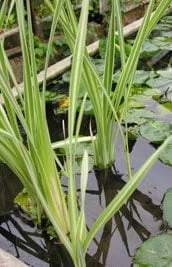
[156, 251]
[33, 159]
[102, 95]
[167, 206]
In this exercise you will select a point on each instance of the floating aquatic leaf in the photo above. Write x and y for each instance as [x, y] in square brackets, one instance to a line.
[144, 93]
[167, 96]
[167, 206]
[156, 131]
[164, 24]
[149, 50]
[168, 105]
[141, 76]
[132, 103]
[166, 155]
[139, 116]
[162, 27]
[61, 110]
[165, 109]
[166, 73]
[52, 96]
[167, 33]
[167, 19]
[155, 252]
[164, 43]
[158, 82]
[66, 77]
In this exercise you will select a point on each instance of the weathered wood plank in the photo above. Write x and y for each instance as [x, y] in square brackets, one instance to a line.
[7, 260]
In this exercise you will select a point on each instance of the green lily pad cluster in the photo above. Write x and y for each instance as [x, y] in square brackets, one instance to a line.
[153, 79]
[149, 124]
[161, 39]
[165, 24]
[157, 251]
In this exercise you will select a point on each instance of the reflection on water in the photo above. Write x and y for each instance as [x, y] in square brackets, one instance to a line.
[117, 242]
[126, 220]
[24, 241]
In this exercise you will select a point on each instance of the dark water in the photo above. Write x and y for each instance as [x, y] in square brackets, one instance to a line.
[115, 245]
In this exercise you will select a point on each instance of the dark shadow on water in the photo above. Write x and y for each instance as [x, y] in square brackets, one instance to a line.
[22, 239]
[30, 245]
[109, 184]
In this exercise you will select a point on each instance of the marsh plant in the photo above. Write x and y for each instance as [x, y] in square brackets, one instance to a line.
[33, 158]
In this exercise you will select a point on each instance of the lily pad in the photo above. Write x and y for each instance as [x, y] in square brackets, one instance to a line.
[158, 82]
[156, 131]
[165, 109]
[132, 103]
[144, 93]
[167, 33]
[66, 77]
[167, 206]
[164, 43]
[166, 73]
[140, 77]
[167, 20]
[155, 252]
[139, 116]
[52, 96]
[167, 96]
[168, 105]
[149, 50]
[166, 155]
[162, 27]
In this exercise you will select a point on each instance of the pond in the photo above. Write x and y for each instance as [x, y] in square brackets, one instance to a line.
[140, 218]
